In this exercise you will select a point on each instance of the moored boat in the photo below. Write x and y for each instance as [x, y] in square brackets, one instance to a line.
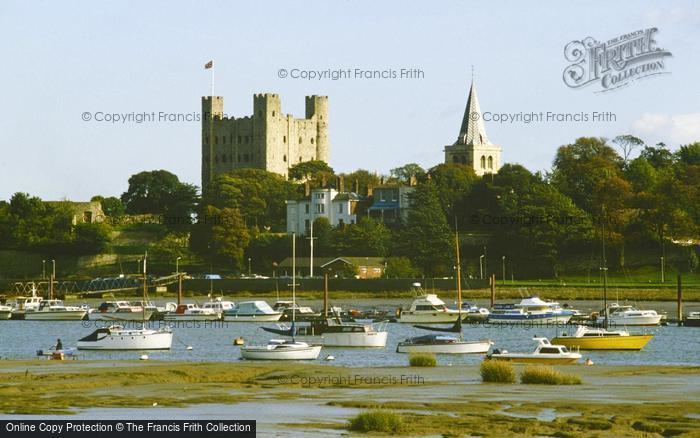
[280, 349]
[442, 344]
[117, 338]
[192, 312]
[428, 309]
[532, 310]
[593, 338]
[252, 311]
[5, 312]
[692, 320]
[545, 353]
[119, 311]
[331, 332]
[628, 315]
[54, 310]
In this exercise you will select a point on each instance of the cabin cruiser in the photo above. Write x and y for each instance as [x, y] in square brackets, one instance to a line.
[219, 305]
[628, 315]
[22, 304]
[54, 310]
[157, 313]
[5, 312]
[252, 311]
[692, 320]
[115, 337]
[428, 309]
[192, 312]
[303, 313]
[545, 353]
[532, 310]
[442, 344]
[593, 338]
[280, 349]
[331, 332]
[119, 311]
[473, 312]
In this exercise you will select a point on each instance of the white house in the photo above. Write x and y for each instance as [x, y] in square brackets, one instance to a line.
[338, 207]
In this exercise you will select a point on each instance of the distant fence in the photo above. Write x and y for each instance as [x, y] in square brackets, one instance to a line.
[316, 284]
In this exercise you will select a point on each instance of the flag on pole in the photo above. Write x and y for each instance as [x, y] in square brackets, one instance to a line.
[209, 65]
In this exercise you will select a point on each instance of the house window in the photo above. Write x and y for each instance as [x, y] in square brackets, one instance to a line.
[490, 162]
[483, 162]
[320, 208]
[306, 208]
[340, 208]
[341, 223]
[307, 225]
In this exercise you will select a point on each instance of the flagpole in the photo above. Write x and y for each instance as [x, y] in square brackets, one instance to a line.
[212, 80]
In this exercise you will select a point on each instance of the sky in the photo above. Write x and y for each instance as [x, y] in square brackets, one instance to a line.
[63, 60]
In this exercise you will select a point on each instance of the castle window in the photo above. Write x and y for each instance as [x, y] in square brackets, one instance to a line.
[299, 140]
[273, 114]
[490, 162]
[300, 159]
[284, 158]
[223, 139]
[284, 139]
[312, 140]
[483, 162]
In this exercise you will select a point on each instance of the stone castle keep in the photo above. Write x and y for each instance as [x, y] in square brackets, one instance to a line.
[266, 140]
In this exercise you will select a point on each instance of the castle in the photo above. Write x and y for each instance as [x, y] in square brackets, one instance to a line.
[266, 140]
[473, 147]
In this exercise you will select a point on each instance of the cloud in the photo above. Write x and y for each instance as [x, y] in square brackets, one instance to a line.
[670, 129]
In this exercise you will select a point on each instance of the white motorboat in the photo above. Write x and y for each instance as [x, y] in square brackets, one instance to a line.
[219, 305]
[192, 312]
[303, 313]
[331, 332]
[252, 311]
[5, 312]
[54, 310]
[22, 304]
[119, 311]
[428, 309]
[532, 310]
[442, 344]
[473, 312]
[545, 353]
[280, 349]
[628, 315]
[117, 338]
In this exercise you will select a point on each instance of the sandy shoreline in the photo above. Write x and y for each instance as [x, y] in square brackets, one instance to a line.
[295, 397]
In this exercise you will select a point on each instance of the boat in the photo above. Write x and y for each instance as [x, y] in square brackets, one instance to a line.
[157, 313]
[595, 338]
[428, 309]
[119, 311]
[303, 313]
[445, 344]
[628, 315]
[115, 337]
[692, 320]
[252, 311]
[281, 349]
[442, 344]
[473, 312]
[545, 353]
[22, 304]
[54, 310]
[192, 312]
[219, 305]
[5, 312]
[531, 310]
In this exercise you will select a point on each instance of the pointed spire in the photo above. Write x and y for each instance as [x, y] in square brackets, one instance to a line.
[472, 130]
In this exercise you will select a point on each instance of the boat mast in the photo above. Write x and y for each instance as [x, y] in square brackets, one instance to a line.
[294, 281]
[459, 283]
[145, 287]
[606, 324]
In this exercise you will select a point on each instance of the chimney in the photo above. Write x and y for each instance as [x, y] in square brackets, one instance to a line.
[357, 186]
[413, 181]
[341, 183]
[381, 180]
[307, 189]
[370, 190]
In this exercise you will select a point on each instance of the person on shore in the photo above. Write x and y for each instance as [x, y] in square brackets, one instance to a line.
[59, 345]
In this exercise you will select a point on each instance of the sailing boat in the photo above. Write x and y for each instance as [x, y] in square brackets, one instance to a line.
[281, 349]
[601, 338]
[116, 337]
[445, 344]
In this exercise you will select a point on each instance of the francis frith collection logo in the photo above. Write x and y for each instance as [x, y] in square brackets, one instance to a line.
[614, 63]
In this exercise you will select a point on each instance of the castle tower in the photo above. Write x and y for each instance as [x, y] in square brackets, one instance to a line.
[473, 147]
[317, 108]
[212, 111]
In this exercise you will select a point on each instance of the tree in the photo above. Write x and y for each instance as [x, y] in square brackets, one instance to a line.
[408, 171]
[169, 248]
[627, 144]
[308, 170]
[360, 180]
[426, 238]
[220, 236]
[91, 238]
[659, 156]
[259, 195]
[368, 237]
[154, 192]
[454, 183]
[690, 154]
[400, 267]
[112, 206]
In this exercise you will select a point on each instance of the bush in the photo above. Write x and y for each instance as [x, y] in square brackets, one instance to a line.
[422, 360]
[497, 371]
[377, 421]
[538, 374]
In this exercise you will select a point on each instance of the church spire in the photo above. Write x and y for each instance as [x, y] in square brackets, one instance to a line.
[472, 131]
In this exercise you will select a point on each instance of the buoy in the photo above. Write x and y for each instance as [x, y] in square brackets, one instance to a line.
[189, 347]
[144, 357]
[238, 341]
[330, 357]
[155, 403]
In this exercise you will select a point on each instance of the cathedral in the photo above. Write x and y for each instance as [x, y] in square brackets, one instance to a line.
[473, 147]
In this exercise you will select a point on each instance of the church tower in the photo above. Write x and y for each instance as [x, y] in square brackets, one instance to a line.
[473, 147]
